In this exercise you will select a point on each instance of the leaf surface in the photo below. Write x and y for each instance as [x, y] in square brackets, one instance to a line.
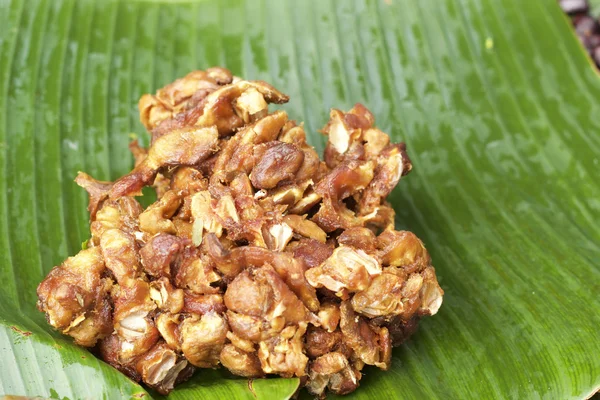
[496, 101]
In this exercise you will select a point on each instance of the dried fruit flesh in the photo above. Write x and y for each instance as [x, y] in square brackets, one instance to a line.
[257, 256]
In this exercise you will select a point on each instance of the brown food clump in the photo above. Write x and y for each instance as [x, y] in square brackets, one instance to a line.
[257, 255]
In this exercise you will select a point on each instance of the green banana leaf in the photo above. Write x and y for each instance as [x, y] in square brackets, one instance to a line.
[498, 105]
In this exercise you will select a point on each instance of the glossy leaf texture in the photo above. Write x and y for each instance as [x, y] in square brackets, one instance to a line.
[495, 99]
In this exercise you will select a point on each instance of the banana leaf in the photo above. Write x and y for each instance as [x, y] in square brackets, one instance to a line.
[496, 100]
